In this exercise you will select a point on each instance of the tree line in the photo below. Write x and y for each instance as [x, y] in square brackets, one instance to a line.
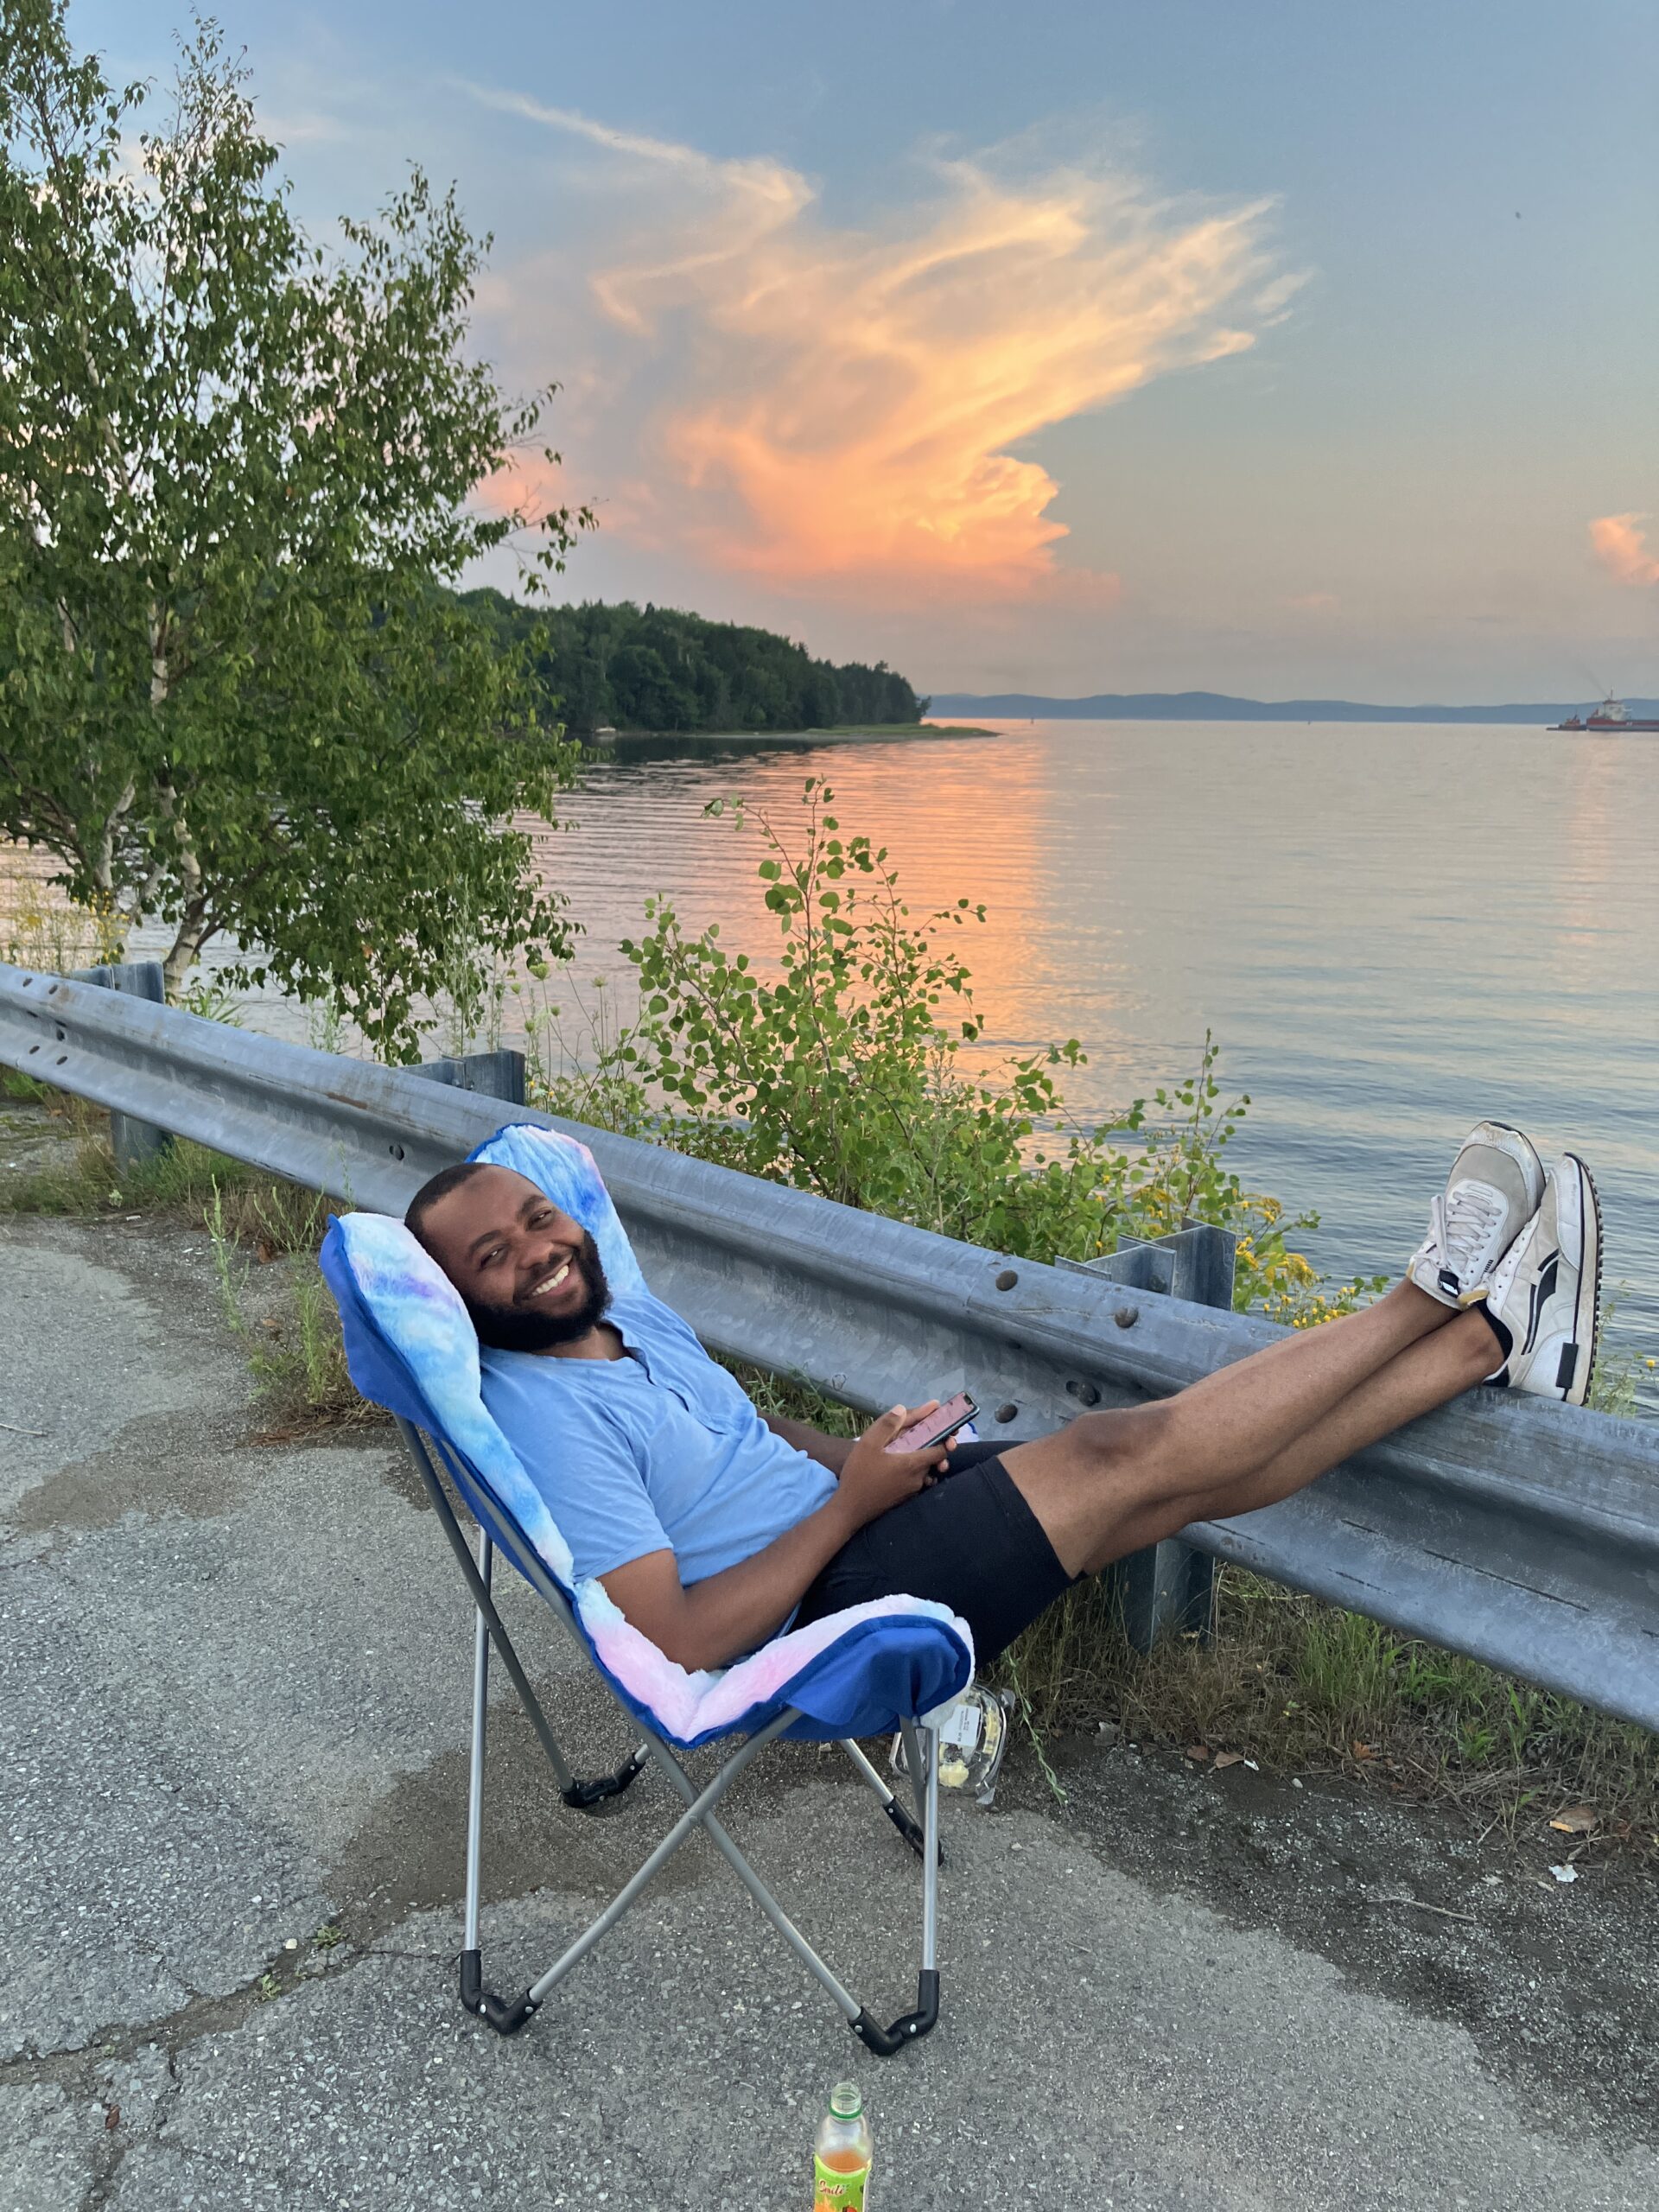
[657, 668]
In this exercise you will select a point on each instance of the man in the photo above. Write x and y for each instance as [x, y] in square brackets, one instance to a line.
[712, 1527]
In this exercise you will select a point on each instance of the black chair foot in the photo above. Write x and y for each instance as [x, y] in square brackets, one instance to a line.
[495, 2011]
[885, 2042]
[584, 1796]
[910, 1828]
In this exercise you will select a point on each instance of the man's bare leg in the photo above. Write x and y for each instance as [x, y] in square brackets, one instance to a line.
[1109, 1472]
[1430, 1373]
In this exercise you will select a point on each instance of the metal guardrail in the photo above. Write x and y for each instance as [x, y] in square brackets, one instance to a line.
[1522, 1533]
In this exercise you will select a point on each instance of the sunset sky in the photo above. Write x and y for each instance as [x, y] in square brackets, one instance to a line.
[1294, 348]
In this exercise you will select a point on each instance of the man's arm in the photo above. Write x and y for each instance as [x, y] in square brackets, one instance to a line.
[733, 1611]
[829, 1450]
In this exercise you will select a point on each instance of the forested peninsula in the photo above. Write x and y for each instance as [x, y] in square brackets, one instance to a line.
[657, 669]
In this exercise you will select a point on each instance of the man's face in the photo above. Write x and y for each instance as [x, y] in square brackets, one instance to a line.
[531, 1277]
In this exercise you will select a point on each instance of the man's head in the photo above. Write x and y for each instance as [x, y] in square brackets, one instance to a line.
[529, 1276]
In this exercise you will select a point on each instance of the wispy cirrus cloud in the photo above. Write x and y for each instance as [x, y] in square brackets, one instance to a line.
[840, 409]
[1620, 545]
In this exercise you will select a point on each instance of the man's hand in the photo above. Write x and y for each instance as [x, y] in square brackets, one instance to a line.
[873, 1479]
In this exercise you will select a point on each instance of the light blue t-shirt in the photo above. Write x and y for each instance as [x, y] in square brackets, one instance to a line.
[660, 1451]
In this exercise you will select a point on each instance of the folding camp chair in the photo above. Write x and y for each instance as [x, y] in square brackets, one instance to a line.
[903, 1661]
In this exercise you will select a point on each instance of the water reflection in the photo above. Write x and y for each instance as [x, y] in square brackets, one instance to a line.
[1391, 930]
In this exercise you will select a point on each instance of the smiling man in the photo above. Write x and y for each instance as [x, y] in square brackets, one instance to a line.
[712, 1527]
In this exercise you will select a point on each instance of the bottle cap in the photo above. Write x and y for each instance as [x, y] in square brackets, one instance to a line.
[845, 2101]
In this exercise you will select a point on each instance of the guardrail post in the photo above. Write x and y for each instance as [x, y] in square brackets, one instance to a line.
[491, 1075]
[132, 1142]
[1170, 1589]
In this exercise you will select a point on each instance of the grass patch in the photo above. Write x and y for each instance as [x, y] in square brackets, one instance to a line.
[25, 1089]
[265, 1237]
[787, 1398]
[85, 1181]
[1302, 1685]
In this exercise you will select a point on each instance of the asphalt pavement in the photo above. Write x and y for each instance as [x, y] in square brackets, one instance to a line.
[233, 1746]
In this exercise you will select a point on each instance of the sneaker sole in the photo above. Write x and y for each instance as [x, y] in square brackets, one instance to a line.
[1587, 1314]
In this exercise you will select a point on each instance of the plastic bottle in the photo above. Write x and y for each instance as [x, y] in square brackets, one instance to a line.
[841, 2156]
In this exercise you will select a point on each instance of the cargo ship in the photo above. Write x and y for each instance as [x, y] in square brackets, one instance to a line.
[1612, 718]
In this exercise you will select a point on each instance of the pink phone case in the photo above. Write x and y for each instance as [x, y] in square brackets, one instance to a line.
[935, 1426]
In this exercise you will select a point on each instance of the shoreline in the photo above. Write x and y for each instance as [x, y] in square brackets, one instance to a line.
[868, 733]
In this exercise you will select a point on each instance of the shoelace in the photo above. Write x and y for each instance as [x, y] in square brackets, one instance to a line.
[1509, 1264]
[1466, 1224]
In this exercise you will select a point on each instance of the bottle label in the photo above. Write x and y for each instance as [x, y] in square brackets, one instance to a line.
[835, 2191]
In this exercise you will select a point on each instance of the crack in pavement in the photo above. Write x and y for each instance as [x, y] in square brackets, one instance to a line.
[89, 2073]
[187, 2024]
[119, 2138]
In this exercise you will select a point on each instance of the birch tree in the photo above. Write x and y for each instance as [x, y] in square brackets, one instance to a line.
[234, 470]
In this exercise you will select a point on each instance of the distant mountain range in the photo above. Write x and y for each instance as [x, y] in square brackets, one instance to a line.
[1220, 706]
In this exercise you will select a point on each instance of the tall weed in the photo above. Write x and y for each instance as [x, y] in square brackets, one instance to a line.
[284, 1319]
[42, 928]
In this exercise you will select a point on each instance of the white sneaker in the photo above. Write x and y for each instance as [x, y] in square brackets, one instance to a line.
[1545, 1295]
[1495, 1187]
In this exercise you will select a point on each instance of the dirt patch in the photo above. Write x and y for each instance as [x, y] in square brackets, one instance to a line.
[409, 1854]
[1557, 1983]
[36, 1137]
[144, 1472]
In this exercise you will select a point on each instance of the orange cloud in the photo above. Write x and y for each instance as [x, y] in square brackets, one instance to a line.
[843, 407]
[1621, 546]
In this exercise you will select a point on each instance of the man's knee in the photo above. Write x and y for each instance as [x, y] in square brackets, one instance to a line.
[1127, 1438]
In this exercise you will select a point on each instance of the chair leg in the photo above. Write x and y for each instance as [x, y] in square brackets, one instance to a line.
[583, 1796]
[474, 1996]
[699, 1812]
[909, 1828]
[915, 1765]
[933, 1860]
[884, 2042]
[481, 1725]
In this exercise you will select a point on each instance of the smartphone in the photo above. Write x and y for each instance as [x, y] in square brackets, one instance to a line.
[934, 1427]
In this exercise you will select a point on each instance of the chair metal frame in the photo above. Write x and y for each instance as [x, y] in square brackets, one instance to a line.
[496, 1531]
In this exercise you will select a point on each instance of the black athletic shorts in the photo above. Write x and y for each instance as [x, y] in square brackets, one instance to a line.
[969, 1540]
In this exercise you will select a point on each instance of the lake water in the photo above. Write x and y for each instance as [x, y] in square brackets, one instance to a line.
[1392, 929]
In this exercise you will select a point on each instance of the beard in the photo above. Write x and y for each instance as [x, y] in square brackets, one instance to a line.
[518, 1328]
